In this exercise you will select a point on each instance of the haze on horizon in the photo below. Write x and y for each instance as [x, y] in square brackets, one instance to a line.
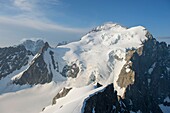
[62, 20]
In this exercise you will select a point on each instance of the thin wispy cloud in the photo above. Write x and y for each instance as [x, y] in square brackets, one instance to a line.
[12, 34]
[29, 19]
[29, 14]
[33, 8]
[15, 29]
[23, 5]
[33, 5]
[39, 25]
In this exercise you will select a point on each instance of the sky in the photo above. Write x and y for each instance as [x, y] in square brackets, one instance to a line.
[68, 20]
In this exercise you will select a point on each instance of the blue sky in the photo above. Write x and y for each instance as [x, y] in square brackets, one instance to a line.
[68, 20]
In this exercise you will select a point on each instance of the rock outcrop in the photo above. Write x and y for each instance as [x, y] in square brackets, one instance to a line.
[150, 64]
[37, 73]
[104, 102]
[70, 71]
[61, 94]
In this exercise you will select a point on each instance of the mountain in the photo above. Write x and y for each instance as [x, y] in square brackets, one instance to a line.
[15, 59]
[111, 69]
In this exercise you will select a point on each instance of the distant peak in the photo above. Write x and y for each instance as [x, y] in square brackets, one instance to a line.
[33, 45]
[31, 40]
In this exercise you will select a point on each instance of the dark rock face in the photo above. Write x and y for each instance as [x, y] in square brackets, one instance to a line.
[151, 64]
[54, 63]
[104, 102]
[38, 72]
[52, 58]
[12, 58]
[61, 94]
[99, 85]
[70, 71]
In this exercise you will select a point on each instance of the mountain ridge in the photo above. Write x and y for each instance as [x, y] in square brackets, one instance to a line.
[109, 54]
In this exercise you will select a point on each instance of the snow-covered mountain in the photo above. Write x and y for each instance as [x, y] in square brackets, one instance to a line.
[111, 69]
[33, 46]
[14, 60]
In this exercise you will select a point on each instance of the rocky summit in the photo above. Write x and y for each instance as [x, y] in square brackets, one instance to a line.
[112, 69]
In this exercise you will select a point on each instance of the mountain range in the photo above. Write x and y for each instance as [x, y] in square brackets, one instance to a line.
[111, 69]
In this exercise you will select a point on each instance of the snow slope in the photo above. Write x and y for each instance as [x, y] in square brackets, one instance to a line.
[6, 82]
[73, 102]
[96, 52]
[31, 100]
